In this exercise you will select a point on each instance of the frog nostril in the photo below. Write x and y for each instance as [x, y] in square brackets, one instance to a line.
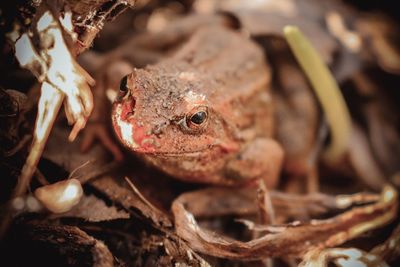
[123, 86]
[132, 106]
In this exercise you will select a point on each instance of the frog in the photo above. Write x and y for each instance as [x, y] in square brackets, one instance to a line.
[226, 148]
[205, 113]
[188, 71]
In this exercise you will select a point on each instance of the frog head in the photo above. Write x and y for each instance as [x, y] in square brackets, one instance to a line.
[159, 112]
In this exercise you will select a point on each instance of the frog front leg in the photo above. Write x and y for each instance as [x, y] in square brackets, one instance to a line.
[261, 159]
[97, 128]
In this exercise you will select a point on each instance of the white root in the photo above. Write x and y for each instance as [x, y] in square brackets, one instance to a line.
[49, 104]
[61, 77]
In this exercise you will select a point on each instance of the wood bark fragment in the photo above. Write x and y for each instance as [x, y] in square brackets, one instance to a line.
[91, 15]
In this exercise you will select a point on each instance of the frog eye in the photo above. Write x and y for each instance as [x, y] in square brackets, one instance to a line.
[123, 86]
[197, 118]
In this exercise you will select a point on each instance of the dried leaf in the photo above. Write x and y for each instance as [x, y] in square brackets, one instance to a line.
[121, 194]
[93, 209]
[71, 158]
[216, 202]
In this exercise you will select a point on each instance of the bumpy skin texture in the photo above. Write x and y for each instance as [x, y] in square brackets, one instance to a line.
[221, 74]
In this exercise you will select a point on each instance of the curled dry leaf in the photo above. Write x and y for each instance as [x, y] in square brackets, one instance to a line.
[297, 238]
[203, 203]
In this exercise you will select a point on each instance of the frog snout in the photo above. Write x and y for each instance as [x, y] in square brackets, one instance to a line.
[130, 130]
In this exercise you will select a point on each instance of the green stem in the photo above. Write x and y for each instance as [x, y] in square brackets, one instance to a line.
[326, 89]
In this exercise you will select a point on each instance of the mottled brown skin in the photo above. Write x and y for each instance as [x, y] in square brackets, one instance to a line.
[217, 72]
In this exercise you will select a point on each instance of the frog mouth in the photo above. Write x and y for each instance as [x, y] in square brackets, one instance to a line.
[179, 154]
[192, 153]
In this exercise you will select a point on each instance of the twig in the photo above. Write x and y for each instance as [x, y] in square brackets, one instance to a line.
[78, 168]
[141, 197]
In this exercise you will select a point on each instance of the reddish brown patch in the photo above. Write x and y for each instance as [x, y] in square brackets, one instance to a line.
[138, 136]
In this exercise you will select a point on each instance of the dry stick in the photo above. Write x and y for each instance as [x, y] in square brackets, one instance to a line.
[71, 174]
